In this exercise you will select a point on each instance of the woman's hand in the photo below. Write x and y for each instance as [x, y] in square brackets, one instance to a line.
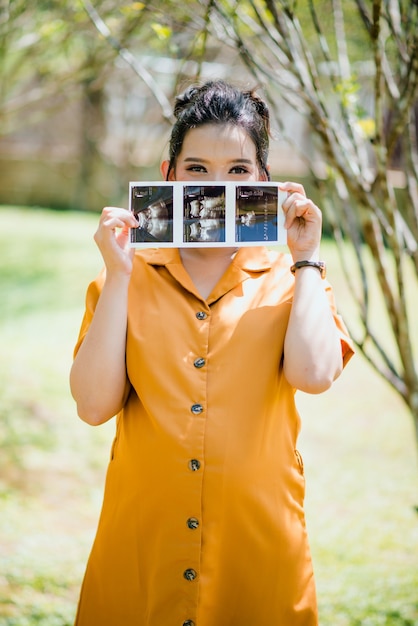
[312, 348]
[112, 236]
[303, 222]
[99, 381]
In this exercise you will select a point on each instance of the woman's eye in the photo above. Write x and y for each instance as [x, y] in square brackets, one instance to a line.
[238, 169]
[196, 168]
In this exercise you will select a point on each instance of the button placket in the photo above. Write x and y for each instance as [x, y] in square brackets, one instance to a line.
[191, 554]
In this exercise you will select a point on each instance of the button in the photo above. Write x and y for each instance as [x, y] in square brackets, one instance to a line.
[193, 523]
[194, 465]
[190, 574]
[189, 622]
[201, 315]
[199, 362]
[196, 409]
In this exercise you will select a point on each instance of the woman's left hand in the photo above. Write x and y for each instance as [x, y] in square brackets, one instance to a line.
[303, 222]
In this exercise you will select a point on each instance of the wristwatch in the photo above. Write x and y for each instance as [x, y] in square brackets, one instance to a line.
[320, 265]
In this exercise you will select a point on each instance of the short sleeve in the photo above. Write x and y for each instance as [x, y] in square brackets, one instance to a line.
[92, 297]
[347, 345]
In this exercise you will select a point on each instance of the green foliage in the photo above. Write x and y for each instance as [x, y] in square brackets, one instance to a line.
[39, 262]
[36, 284]
[23, 426]
[50, 49]
[163, 32]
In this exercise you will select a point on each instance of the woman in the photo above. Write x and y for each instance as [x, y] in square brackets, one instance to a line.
[199, 352]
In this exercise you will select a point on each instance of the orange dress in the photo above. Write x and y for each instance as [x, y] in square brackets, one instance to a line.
[202, 521]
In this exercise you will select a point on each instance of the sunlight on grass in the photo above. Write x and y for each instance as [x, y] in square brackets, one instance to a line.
[357, 442]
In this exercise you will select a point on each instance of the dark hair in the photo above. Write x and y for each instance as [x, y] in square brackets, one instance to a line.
[218, 102]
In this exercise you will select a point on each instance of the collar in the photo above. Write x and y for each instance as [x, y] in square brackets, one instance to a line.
[247, 261]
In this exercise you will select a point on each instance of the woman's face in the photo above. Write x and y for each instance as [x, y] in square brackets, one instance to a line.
[216, 152]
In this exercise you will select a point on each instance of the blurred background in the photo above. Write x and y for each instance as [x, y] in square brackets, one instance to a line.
[86, 95]
[79, 120]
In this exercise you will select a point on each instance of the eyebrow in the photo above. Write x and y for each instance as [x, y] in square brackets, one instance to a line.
[198, 160]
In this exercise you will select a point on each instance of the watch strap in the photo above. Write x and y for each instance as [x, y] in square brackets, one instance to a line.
[319, 265]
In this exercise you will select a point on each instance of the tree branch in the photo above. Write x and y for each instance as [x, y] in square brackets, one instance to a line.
[132, 61]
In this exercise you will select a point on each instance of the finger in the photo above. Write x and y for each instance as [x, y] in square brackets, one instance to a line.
[112, 215]
[113, 222]
[292, 198]
[302, 210]
[122, 236]
[292, 187]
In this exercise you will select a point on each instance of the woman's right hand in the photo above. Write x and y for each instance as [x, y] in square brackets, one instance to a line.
[112, 237]
[99, 380]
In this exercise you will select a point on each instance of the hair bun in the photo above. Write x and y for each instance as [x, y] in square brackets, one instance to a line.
[261, 107]
[184, 100]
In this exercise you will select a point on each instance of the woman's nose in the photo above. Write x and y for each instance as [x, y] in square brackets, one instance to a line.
[217, 175]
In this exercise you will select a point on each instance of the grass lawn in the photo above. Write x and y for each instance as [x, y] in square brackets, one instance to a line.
[357, 442]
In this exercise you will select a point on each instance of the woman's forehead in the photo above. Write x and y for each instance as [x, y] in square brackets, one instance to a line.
[226, 140]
